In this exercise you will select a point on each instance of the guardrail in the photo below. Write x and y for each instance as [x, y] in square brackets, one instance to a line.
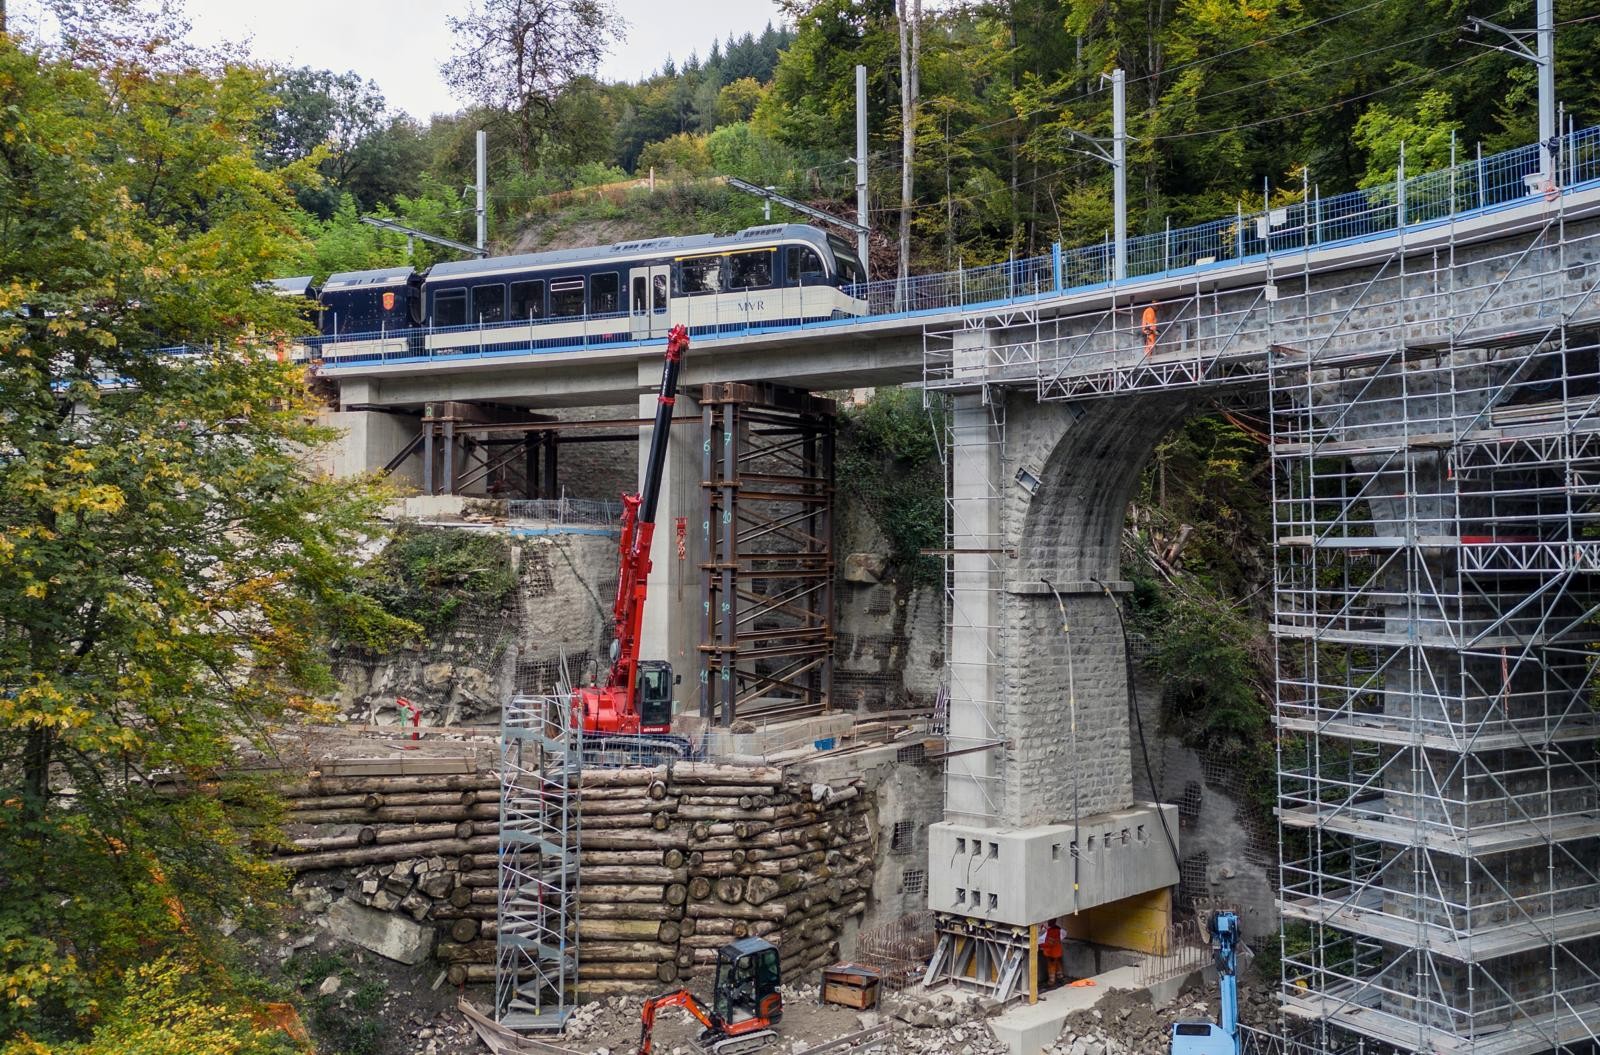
[1473, 187]
[565, 510]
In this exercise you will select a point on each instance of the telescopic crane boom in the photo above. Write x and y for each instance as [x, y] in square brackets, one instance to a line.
[637, 696]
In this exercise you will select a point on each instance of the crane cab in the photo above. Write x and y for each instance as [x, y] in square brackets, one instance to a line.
[747, 983]
[653, 695]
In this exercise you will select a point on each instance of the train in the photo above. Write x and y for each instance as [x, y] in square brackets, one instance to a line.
[761, 277]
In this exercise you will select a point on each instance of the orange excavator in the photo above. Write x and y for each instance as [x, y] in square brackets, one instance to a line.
[745, 1005]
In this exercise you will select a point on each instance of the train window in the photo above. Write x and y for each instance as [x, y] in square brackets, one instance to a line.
[659, 294]
[603, 289]
[640, 306]
[566, 298]
[804, 266]
[527, 300]
[489, 302]
[750, 270]
[700, 276]
[450, 307]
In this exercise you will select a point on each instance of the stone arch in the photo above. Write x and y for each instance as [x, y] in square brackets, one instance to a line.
[1066, 693]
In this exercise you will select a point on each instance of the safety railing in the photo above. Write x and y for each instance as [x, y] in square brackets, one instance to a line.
[565, 510]
[1478, 185]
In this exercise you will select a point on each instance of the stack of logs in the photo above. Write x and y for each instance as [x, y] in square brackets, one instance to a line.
[676, 862]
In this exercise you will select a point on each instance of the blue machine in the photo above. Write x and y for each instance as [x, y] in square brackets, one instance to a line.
[1208, 1038]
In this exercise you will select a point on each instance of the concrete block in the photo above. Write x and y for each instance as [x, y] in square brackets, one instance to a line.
[384, 933]
[1029, 875]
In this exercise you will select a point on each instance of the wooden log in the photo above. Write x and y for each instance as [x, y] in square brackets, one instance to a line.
[699, 888]
[668, 932]
[632, 874]
[695, 858]
[731, 891]
[604, 990]
[591, 810]
[613, 778]
[610, 838]
[380, 853]
[686, 926]
[463, 930]
[330, 802]
[621, 857]
[667, 971]
[321, 786]
[722, 773]
[676, 894]
[661, 821]
[446, 911]
[588, 970]
[477, 951]
[369, 834]
[620, 929]
[632, 910]
[653, 893]
[657, 789]
[625, 952]
[404, 814]
[727, 791]
[761, 889]
[673, 858]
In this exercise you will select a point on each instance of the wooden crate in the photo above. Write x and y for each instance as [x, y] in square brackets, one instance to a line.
[851, 985]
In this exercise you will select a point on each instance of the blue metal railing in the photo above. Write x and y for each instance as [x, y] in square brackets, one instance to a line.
[1475, 186]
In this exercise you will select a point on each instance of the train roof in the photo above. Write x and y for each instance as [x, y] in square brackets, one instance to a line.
[647, 247]
[383, 276]
[299, 286]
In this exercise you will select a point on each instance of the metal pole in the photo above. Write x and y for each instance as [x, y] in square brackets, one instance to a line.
[861, 170]
[483, 218]
[1400, 188]
[1119, 167]
[1547, 85]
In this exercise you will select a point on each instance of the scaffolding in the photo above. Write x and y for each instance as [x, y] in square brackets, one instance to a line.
[536, 949]
[1436, 451]
[767, 582]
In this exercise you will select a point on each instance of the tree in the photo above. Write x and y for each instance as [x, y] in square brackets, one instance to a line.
[339, 120]
[169, 565]
[516, 56]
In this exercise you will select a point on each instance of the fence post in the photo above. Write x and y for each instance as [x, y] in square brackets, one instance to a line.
[1055, 263]
[1400, 188]
[1452, 172]
[1238, 230]
[1166, 247]
[1480, 174]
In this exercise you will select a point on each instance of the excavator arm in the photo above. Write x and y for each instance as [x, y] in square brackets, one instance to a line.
[682, 998]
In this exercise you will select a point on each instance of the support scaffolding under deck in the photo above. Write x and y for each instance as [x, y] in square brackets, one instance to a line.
[767, 582]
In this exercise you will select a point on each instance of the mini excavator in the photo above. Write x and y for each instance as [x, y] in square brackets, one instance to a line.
[632, 711]
[1210, 1038]
[745, 1005]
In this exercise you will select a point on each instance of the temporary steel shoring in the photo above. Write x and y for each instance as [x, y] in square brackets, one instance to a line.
[767, 582]
[1435, 440]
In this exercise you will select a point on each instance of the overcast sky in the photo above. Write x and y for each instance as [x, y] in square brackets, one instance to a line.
[400, 43]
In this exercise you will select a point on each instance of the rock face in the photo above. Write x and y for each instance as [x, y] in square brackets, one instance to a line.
[384, 933]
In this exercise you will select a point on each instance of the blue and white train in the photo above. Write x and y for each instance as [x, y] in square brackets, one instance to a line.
[761, 277]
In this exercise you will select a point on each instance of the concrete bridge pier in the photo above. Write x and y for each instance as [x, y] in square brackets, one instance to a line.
[1041, 822]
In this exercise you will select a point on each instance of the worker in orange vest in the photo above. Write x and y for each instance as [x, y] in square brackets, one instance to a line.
[1050, 949]
[1148, 326]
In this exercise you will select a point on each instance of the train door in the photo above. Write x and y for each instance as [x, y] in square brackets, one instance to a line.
[648, 287]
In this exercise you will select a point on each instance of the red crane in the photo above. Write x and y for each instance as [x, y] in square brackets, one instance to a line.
[637, 696]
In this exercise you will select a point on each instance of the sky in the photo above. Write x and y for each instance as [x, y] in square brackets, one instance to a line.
[400, 43]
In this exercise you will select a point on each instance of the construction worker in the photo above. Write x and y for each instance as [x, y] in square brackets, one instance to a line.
[1148, 326]
[1050, 948]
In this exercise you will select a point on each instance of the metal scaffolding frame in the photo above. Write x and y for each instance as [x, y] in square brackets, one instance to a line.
[971, 425]
[767, 582]
[1435, 431]
[536, 948]
[1437, 587]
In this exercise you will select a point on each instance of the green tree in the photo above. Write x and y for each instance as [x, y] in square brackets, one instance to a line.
[169, 565]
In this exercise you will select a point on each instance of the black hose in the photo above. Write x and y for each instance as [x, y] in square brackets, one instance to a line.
[1138, 719]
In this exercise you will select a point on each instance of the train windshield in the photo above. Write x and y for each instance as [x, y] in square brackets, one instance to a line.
[849, 263]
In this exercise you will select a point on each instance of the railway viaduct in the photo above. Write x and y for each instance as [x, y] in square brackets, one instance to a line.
[1433, 392]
